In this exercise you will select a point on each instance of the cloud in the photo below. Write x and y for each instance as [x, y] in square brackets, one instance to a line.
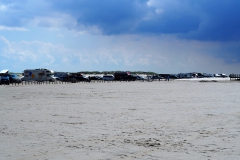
[13, 28]
[215, 20]
[147, 53]
[138, 34]
[3, 7]
[56, 20]
[199, 20]
[112, 17]
[41, 54]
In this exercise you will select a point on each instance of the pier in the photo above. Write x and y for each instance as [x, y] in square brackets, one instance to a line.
[234, 77]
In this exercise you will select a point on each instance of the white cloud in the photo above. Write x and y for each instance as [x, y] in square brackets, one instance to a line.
[11, 51]
[13, 28]
[29, 52]
[3, 7]
[86, 30]
[108, 56]
[159, 11]
[55, 21]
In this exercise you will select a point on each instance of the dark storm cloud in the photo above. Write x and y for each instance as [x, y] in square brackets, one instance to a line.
[215, 20]
[219, 20]
[112, 17]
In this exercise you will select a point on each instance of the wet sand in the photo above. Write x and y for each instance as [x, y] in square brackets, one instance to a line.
[121, 120]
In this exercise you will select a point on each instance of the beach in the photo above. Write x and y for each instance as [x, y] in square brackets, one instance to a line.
[121, 120]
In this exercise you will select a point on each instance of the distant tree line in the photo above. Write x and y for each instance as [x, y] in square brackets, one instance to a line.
[112, 72]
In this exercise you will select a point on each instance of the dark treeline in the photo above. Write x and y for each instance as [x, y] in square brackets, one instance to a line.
[112, 72]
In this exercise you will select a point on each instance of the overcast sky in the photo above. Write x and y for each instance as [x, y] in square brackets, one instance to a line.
[163, 36]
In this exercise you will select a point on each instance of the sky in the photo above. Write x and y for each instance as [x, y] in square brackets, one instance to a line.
[162, 36]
